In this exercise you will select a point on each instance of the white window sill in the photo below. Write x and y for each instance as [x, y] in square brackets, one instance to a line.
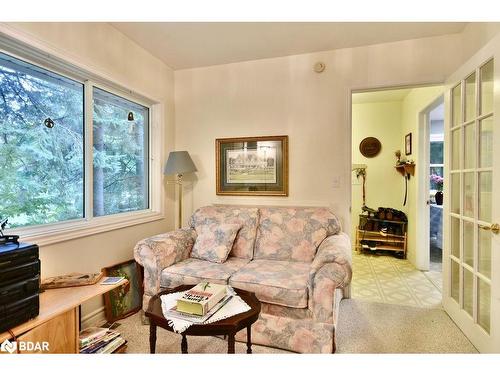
[48, 234]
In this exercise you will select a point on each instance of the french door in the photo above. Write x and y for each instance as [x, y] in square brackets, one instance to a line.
[471, 262]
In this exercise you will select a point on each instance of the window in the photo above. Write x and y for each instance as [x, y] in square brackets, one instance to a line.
[42, 141]
[41, 167]
[120, 154]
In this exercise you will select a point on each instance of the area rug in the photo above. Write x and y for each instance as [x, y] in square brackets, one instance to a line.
[363, 327]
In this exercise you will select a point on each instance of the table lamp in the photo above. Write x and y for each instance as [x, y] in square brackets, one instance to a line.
[178, 164]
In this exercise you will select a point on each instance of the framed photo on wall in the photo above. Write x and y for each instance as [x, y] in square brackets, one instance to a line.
[126, 299]
[252, 166]
[408, 144]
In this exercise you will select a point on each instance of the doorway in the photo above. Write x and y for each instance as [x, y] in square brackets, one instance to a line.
[385, 254]
[431, 182]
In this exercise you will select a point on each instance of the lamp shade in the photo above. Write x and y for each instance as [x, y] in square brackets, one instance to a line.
[179, 162]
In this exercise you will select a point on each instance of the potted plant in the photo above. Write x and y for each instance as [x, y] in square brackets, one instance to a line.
[438, 182]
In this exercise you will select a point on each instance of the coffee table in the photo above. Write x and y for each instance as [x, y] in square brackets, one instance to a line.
[229, 326]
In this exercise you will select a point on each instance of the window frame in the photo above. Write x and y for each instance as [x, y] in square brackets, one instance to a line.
[45, 234]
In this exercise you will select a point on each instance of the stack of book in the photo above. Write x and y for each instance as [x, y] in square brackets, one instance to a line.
[199, 303]
[97, 340]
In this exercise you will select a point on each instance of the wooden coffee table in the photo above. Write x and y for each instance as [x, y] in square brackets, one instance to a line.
[228, 326]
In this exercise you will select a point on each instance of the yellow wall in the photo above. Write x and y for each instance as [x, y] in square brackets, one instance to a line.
[101, 47]
[383, 184]
[390, 122]
[415, 102]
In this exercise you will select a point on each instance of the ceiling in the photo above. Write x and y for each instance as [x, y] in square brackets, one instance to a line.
[184, 45]
[397, 95]
[394, 95]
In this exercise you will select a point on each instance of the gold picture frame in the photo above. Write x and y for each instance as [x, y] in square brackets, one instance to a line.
[252, 166]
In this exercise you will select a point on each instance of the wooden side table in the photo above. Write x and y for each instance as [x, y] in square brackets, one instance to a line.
[58, 320]
[229, 326]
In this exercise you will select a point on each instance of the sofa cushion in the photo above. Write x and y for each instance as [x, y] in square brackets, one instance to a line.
[246, 217]
[277, 282]
[293, 233]
[194, 271]
[214, 242]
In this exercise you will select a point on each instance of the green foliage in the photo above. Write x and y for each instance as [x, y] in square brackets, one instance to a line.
[42, 169]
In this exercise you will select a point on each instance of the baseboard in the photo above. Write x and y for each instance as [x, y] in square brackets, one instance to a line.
[95, 318]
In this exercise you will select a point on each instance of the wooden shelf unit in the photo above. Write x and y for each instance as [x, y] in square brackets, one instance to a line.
[58, 320]
[389, 242]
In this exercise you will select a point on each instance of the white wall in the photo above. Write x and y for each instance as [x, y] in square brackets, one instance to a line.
[383, 183]
[285, 96]
[102, 48]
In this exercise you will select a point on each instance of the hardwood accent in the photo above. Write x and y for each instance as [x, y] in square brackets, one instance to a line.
[228, 326]
[59, 332]
[391, 242]
[249, 340]
[58, 320]
[406, 169]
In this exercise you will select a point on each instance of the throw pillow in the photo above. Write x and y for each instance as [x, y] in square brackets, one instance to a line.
[214, 242]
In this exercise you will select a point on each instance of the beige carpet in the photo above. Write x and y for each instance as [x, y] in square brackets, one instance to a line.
[364, 327]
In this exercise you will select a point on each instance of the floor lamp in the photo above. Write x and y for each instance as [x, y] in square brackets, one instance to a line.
[178, 164]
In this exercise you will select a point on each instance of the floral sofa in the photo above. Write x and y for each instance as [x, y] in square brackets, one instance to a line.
[296, 260]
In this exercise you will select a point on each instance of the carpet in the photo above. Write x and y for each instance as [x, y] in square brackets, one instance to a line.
[363, 327]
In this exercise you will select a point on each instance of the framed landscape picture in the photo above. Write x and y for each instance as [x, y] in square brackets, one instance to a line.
[252, 165]
[125, 300]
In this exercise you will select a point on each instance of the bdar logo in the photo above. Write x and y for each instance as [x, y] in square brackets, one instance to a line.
[8, 346]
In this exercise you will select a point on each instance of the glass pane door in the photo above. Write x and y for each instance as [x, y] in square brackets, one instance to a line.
[471, 180]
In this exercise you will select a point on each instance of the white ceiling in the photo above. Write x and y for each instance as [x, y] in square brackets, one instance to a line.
[397, 95]
[188, 45]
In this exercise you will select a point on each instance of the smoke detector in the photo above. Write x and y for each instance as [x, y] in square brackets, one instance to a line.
[319, 67]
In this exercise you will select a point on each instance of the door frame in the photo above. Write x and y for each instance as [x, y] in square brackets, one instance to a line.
[422, 258]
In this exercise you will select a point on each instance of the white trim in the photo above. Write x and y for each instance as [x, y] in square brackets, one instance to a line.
[34, 51]
[68, 230]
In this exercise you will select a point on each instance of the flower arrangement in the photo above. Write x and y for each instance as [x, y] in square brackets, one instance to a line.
[438, 180]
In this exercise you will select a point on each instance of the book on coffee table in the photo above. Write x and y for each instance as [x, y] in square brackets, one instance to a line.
[200, 299]
[196, 319]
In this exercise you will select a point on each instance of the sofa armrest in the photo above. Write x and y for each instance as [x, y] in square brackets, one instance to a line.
[160, 251]
[334, 249]
[331, 269]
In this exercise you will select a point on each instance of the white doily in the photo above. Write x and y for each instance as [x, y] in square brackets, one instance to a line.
[233, 307]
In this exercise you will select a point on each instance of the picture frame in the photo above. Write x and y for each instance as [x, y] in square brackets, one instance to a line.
[252, 166]
[124, 300]
[408, 144]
